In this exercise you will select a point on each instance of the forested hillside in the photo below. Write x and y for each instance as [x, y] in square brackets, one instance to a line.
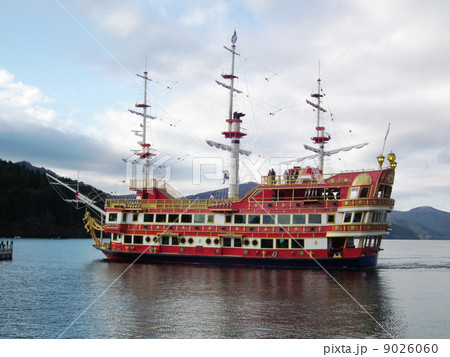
[29, 207]
[420, 223]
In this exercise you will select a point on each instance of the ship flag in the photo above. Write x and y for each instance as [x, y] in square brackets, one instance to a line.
[385, 138]
[234, 38]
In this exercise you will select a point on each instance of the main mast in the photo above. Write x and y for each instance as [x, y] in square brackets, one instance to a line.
[234, 130]
[234, 127]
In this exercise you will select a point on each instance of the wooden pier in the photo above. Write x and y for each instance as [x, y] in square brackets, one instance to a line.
[6, 250]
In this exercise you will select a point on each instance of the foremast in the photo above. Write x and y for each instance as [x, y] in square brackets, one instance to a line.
[146, 152]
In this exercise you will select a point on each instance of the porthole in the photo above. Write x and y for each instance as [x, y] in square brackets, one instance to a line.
[216, 241]
[246, 242]
[208, 241]
[191, 241]
[155, 239]
[183, 240]
[254, 242]
[147, 239]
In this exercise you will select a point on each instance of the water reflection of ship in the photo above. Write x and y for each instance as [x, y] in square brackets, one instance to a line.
[210, 302]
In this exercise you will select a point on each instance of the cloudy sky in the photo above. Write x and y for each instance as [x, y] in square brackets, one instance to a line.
[67, 79]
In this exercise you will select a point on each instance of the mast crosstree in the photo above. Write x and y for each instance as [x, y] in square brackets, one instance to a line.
[146, 153]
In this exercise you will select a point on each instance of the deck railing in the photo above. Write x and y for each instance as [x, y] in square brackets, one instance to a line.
[297, 178]
[175, 204]
[227, 204]
[141, 184]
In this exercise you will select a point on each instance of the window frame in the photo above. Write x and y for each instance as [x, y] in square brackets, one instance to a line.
[268, 219]
[353, 193]
[303, 216]
[255, 216]
[111, 215]
[311, 215]
[199, 218]
[288, 216]
[159, 216]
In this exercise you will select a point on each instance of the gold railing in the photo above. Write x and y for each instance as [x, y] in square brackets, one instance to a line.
[358, 202]
[306, 178]
[140, 184]
[361, 227]
[175, 204]
[136, 184]
[278, 180]
[296, 179]
[201, 204]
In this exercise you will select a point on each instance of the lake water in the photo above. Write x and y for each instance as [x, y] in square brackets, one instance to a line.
[65, 288]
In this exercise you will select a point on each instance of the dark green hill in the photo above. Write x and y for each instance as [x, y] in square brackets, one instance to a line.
[30, 207]
[428, 217]
[399, 231]
[420, 223]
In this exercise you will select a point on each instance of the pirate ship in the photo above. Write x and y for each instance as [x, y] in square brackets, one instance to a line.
[302, 218]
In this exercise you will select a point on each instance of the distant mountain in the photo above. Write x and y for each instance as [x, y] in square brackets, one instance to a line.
[420, 223]
[41, 170]
[401, 231]
[223, 193]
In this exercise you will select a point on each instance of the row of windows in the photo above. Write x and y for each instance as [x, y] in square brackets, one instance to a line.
[358, 217]
[370, 241]
[282, 219]
[164, 218]
[361, 192]
[264, 243]
[378, 217]
[223, 241]
[279, 219]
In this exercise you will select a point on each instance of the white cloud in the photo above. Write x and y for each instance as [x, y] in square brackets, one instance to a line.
[199, 16]
[117, 19]
[113, 130]
[23, 103]
[17, 96]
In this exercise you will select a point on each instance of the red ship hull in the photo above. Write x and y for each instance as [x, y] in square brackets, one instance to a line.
[368, 261]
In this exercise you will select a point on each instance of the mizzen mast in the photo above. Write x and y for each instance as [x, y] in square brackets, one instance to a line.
[321, 138]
